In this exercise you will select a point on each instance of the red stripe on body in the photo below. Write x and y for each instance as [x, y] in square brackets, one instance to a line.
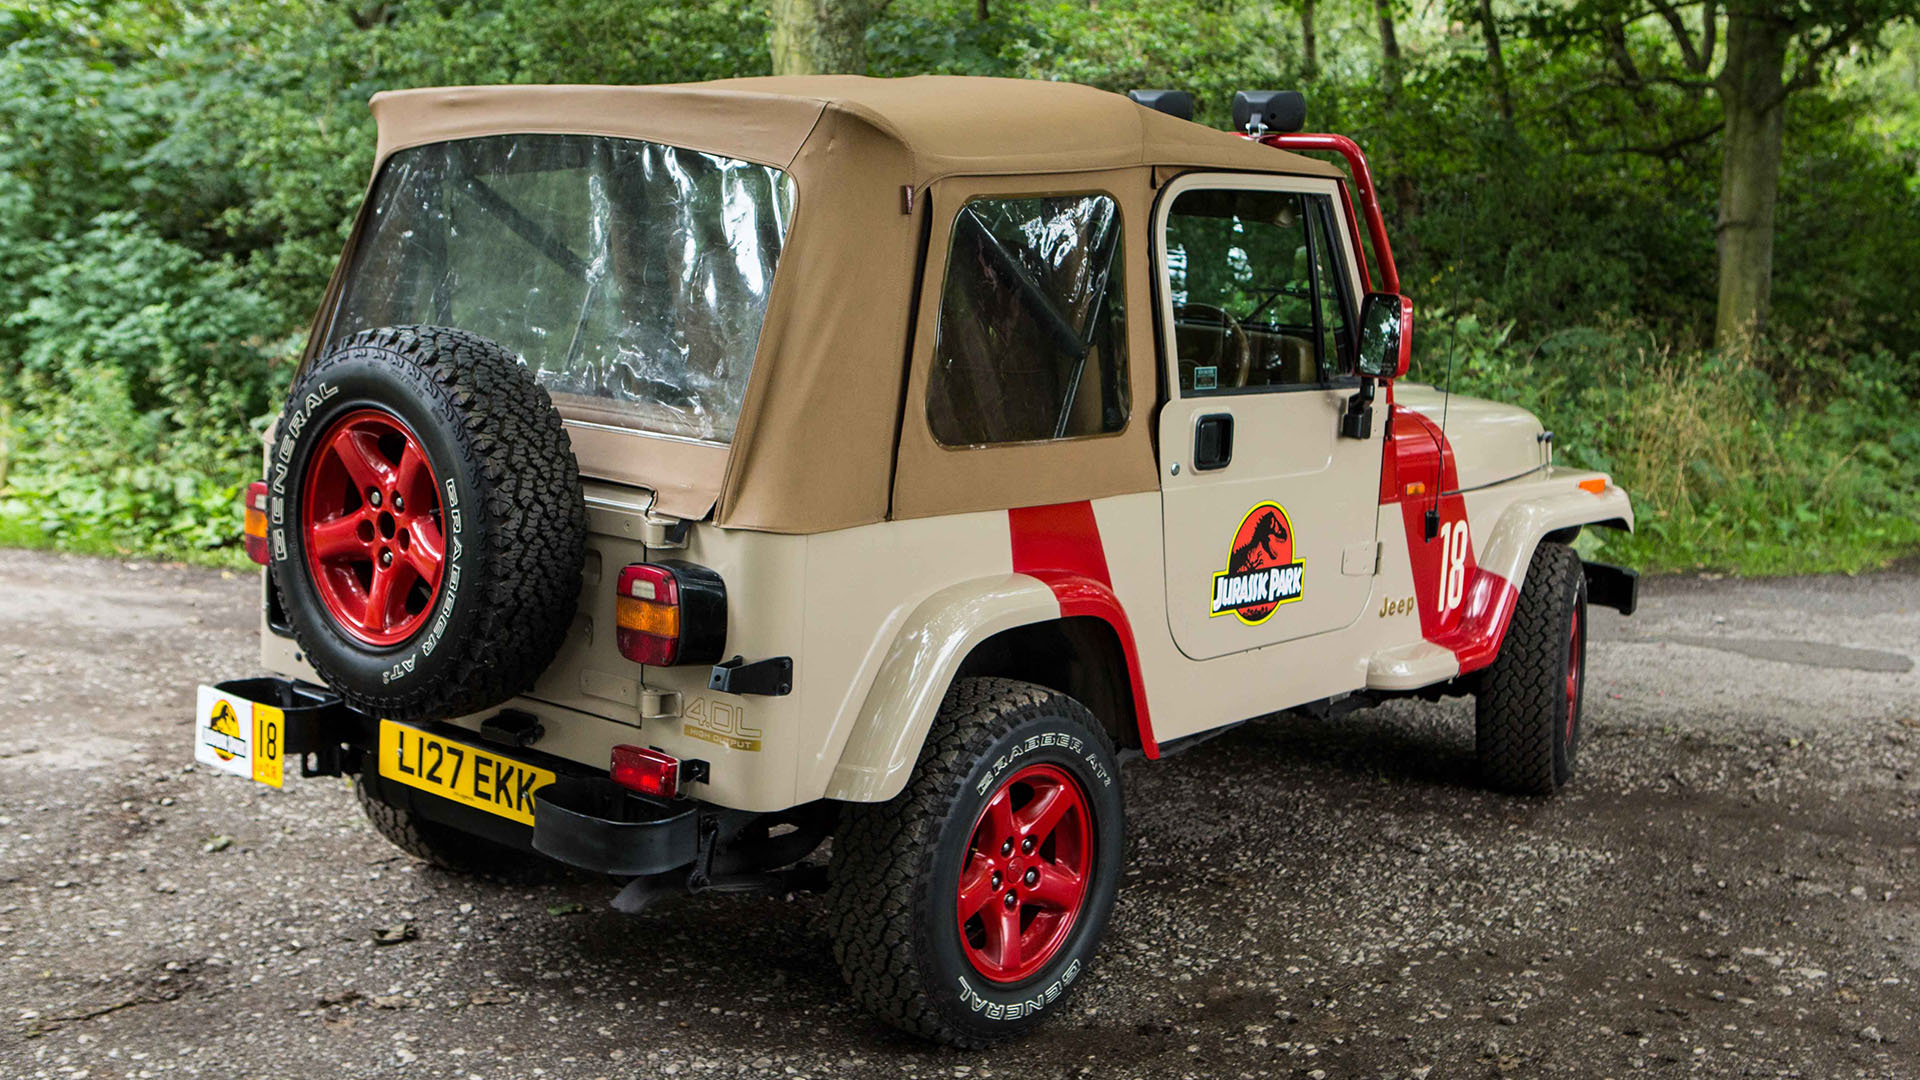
[1060, 545]
[1472, 627]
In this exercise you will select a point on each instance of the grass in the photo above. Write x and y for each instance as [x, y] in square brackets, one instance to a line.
[15, 533]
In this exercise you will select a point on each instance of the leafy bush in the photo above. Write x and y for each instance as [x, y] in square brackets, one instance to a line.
[1726, 472]
[144, 383]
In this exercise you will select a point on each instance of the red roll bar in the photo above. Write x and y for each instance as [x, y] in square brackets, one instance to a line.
[1369, 198]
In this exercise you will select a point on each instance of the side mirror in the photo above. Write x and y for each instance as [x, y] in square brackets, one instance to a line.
[1386, 335]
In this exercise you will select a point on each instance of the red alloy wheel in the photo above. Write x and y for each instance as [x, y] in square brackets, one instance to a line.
[371, 521]
[1573, 674]
[1026, 873]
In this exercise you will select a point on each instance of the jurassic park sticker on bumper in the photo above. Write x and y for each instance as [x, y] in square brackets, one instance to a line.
[238, 736]
[1261, 571]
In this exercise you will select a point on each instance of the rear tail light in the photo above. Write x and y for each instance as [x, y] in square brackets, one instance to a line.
[645, 770]
[256, 521]
[670, 613]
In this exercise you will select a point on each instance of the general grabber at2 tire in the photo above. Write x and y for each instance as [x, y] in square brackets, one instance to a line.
[1527, 719]
[425, 522]
[965, 908]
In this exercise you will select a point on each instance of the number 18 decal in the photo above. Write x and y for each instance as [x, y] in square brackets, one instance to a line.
[1454, 547]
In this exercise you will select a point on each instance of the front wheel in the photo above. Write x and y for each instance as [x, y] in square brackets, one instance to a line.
[1527, 721]
[965, 908]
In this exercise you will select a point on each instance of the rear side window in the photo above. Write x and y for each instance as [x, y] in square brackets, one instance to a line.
[1032, 336]
[632, 276]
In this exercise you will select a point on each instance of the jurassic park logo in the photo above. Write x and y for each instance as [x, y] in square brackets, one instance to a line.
[1261, 571]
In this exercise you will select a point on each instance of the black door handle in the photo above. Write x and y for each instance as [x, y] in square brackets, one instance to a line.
[1212, 441]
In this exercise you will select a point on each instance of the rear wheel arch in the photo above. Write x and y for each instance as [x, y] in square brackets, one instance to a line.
[1078, 655]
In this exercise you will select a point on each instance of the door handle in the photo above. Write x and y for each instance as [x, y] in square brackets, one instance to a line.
[1212, 441]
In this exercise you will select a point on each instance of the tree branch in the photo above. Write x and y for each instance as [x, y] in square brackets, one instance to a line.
[1709, 33]
[1616, 35]
[1809, 74]
[1664, 151]
[1687, 50]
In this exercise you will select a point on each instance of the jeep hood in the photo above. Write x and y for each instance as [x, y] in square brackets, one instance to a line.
[1491, 441]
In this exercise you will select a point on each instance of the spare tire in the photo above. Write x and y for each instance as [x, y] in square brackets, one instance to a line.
[425, 522]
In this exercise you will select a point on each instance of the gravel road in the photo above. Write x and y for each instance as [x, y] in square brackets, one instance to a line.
[1730, 887]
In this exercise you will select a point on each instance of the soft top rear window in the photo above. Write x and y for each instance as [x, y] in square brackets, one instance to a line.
[633, 277]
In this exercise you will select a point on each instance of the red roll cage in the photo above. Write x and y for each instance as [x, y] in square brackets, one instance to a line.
[1369, 197]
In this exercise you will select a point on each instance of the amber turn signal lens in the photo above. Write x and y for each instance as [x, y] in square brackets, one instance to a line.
[255, 525]
[1595, 484]
[647, 617]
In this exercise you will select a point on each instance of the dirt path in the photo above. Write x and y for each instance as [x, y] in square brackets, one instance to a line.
[1731, 888]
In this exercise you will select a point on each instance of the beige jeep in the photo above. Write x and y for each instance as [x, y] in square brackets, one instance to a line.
[681, 477]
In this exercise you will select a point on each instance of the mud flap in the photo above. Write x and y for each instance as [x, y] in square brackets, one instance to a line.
[1612, 586]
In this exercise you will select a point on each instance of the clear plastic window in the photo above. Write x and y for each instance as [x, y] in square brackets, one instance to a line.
[1254, 278]
[632, 277]
[1032, 338]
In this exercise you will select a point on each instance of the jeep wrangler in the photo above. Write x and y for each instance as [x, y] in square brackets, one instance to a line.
[681, 477]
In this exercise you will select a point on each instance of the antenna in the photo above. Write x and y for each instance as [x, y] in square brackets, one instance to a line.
[1446, 399]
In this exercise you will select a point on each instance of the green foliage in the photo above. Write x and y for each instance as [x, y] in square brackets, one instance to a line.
[1726, 470]
[177, 178]
[175, 185]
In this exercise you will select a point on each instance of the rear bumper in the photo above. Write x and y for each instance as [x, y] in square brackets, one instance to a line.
[583, 819]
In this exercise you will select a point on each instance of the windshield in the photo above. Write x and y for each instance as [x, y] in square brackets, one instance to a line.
[632, 277]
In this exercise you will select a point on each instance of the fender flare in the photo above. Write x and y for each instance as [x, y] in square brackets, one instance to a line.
[920, 664]
[1501, 563]
[926, 653]
[1508, 548]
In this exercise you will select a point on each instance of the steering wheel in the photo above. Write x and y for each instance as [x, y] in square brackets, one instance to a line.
[1233, 337]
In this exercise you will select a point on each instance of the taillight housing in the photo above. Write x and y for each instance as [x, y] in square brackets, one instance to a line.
[255, 528]
[670, 613]
[645, 770]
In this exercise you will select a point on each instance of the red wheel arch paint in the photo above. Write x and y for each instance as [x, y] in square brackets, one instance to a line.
[1060, 545]
[1463, 607]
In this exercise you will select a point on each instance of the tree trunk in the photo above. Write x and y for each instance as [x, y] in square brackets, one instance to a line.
[1496, 61]
[1753, 99]
[980, 11]
[820, 37]
[1309, 42]
[1389, 46]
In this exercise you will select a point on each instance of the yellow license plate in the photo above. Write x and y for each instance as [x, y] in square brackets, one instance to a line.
[465, 774]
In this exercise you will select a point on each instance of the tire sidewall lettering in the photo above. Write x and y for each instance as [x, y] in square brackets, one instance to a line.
[1030, 1003]
[1017, 754]
[449, 586]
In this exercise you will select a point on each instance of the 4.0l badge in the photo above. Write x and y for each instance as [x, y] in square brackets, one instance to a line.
[1261, 571]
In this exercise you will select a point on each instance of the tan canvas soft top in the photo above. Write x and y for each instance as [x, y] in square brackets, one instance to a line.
[946, 124]
[814, 447]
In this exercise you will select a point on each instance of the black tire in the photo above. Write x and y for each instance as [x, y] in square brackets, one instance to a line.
[892, 905]
[506, 499]
[449, 848]
[1527, 716]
